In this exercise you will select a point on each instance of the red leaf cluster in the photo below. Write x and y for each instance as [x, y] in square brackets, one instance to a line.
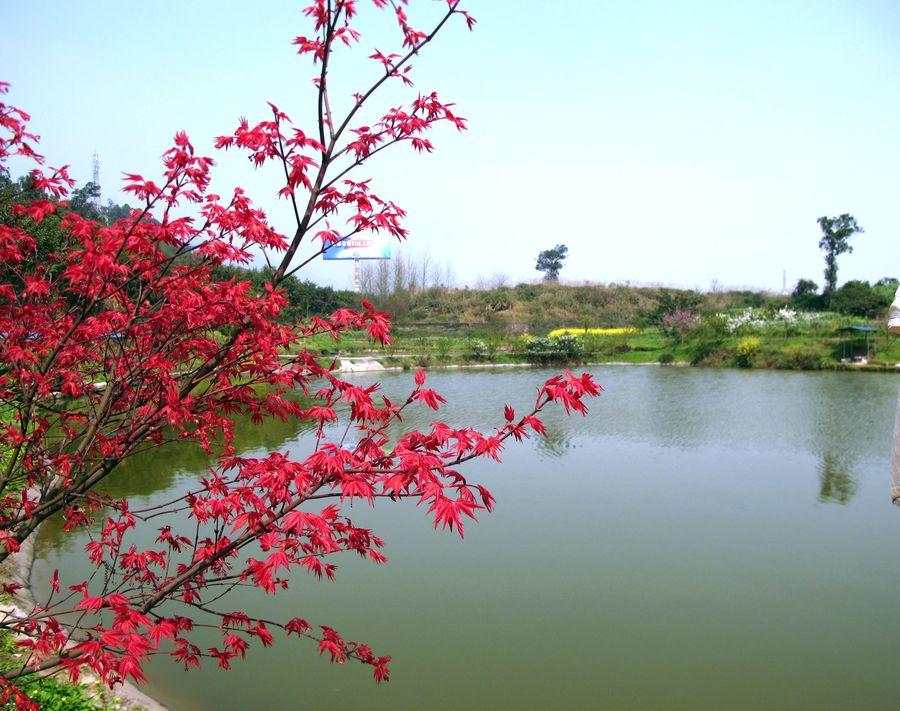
[128, 342]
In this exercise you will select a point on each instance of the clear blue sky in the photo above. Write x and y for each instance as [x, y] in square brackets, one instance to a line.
[662, 142]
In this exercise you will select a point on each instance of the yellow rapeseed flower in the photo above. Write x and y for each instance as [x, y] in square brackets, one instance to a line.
[593, 331]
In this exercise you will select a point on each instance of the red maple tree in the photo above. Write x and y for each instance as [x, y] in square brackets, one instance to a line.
[121, 340]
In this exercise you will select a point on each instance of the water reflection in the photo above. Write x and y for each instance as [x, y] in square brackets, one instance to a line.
[837, 482]
[841, 413]
[555, 444]
[836, 417]
[147, 472]
[679, 412]
[168, 467]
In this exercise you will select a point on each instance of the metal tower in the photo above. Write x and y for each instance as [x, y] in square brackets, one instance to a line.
[96, 178]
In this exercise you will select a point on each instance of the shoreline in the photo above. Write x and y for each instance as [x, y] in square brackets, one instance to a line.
[838, 368]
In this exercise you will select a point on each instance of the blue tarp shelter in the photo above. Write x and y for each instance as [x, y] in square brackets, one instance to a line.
[855, 335]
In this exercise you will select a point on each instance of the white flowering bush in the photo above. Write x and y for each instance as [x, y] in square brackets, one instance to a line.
[751, 319]
[562, 348]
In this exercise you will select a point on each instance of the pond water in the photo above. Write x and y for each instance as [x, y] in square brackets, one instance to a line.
[704, 539]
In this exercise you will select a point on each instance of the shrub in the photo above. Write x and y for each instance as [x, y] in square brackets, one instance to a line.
[527, 292]
[666, 359]
[477, 349]
[747, 348]
[540, 350]
[559, 349]
[676, 324]
[799, 356]
[499, 300]
[706, 338]
[442, 347]
[568, 346]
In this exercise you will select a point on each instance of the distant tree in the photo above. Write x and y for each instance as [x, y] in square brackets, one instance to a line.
[47, 234]
[550, 261]
[886, 287]
[303, 298]
[668, 301]
[85, 201]
[113, 213]
[805, 287]
[806, 295]
[858, 298]
[676, 324]
[744, 298]
[499, 280]
[836, 234]
[306, 298]
[50, 237]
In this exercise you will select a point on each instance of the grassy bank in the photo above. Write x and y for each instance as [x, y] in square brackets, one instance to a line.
[624, 323]
[708, 343]
[51, 693]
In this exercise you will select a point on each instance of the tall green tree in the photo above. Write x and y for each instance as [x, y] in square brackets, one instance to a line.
[550, 261]
[836, 234]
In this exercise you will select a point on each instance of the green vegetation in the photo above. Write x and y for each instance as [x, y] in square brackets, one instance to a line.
[435, 324]
[836, 234]
[51, 693]
[304, 298]
[710, 343]
[631, 324]
[550, 261]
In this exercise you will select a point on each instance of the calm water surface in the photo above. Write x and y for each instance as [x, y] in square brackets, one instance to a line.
[702, 540]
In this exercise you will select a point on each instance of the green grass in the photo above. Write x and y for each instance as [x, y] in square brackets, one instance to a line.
[51, 693]
[815, 348]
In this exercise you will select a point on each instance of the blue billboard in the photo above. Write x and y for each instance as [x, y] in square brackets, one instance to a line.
[374, 247]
